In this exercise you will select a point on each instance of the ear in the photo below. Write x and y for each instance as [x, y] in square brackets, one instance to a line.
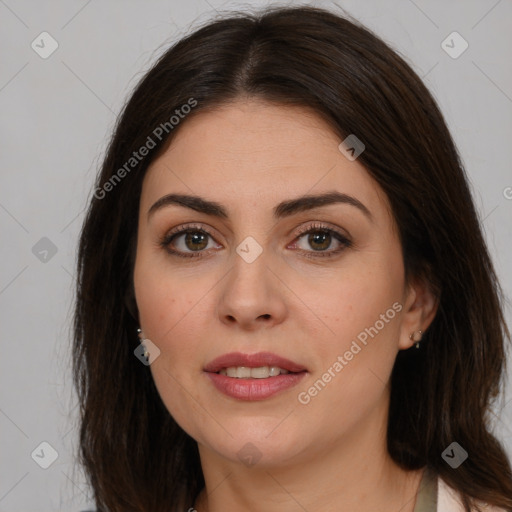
[420, 308]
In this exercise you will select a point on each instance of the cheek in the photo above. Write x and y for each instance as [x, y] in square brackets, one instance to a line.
[165, 296]
[172, 321]
[360, 304]
[171, 309]
[170, 318]
[361, 312]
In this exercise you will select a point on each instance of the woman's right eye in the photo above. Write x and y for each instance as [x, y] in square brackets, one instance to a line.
[190, 242]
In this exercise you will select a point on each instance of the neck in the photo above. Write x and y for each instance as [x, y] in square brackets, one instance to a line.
[355, 472]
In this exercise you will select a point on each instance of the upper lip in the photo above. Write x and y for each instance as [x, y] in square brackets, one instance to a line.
[252, 361]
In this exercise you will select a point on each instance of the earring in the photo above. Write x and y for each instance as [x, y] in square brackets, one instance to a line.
[416, 336]
[141, 338]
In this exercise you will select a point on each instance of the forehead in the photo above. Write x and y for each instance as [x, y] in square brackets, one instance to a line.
[255, 153]
[265, 131]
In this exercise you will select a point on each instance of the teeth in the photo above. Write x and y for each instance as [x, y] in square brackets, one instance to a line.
[244, 372]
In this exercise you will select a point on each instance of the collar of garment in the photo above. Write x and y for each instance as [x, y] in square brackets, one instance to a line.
[434, 495]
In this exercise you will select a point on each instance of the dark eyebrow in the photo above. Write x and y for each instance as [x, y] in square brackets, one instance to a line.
[282, 210]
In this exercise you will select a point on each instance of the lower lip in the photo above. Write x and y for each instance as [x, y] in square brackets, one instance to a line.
[254, 389]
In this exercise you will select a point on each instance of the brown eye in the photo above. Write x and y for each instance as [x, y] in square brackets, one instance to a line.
[320, 240]
[196, 240]
[186, 241]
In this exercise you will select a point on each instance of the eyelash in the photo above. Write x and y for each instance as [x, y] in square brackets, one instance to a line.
[166, 240]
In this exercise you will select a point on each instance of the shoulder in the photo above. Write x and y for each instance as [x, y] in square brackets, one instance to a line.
[448, 500]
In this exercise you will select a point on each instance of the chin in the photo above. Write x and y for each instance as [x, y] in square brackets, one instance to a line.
[265, 447]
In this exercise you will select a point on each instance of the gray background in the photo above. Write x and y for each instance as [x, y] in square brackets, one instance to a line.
[57, 115]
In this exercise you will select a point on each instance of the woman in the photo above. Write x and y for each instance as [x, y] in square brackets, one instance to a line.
[285, 300]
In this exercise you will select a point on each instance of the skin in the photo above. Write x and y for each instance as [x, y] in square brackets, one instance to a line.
[249, 156]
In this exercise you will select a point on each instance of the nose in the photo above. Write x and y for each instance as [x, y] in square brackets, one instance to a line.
[252, 296]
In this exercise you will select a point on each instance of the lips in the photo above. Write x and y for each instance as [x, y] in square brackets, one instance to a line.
[252, 361]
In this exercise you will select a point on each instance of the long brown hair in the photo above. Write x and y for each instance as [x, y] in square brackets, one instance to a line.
[134, 454]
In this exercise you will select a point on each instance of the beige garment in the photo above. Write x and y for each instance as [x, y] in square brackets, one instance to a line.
[448, 500]
[426, 498]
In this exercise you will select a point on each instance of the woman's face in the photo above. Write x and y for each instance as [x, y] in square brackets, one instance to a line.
[253, 284]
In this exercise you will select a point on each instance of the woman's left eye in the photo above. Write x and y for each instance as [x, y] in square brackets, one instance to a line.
[321, 237]
[194, 241]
